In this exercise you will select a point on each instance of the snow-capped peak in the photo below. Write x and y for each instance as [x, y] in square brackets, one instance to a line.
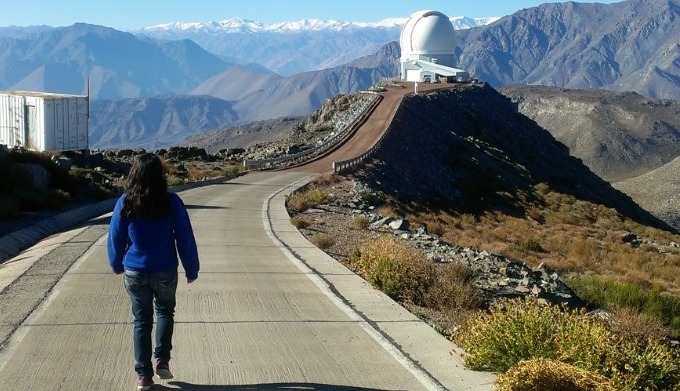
[236, 25]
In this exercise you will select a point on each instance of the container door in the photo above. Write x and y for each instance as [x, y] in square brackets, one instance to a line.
[61, 137]
[72, 124]
[31, 127]
[83, 130]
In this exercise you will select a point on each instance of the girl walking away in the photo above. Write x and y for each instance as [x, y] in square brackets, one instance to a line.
[149, 227]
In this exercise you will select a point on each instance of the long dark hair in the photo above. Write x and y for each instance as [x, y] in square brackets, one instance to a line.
[147, 189]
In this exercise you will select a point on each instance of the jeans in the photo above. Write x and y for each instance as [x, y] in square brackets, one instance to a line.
[145, 290]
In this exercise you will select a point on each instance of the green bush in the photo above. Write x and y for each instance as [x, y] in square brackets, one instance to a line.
[510, 332]
[317, 196]
[514, 331]
[174, 180]
[230, 170]
[372, 198]
[649, 365]
[602, 292]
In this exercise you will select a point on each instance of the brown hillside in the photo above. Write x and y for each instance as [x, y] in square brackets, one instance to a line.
[470, 150]
[617, 135]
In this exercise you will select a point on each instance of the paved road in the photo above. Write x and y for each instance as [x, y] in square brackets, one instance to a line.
[269, 311]
[369, 133]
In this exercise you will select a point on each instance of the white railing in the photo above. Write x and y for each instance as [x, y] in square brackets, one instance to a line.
[345, 129]
[342, 165]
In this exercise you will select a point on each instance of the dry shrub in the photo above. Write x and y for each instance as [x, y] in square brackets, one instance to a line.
[297, 203]
[453, 290]
[323, 241]
[551, 375]
[542, 188]
[517, 228]
[387, 211]
[466, 220]
[195, 173]
[328, 179]
[358, 222]
[436, 228]
[585, 251]
[298, 222]
[300, 201]
[631, 324]
[536, 215]
[396, 268]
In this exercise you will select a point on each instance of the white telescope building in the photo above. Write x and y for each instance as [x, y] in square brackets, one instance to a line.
[427, 49]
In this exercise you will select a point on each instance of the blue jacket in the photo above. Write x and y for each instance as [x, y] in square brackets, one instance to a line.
[152, 245]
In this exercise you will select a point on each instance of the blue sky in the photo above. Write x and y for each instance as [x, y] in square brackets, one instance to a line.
[133, 14]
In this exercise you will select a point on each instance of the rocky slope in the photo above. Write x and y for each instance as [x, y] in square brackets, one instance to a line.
[154, 123]
[248, 136]
[658, 191]
[480, 154]
[627, 139]
[617, 135]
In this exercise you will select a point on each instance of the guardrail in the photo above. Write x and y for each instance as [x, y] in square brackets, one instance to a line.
[326, 145]
[343, 165]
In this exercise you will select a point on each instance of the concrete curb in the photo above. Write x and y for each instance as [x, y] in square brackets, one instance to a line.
[15, 242]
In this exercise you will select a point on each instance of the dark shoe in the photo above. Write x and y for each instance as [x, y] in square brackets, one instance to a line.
[163, 370]
[145, 383]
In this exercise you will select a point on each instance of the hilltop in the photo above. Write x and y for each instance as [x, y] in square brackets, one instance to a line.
[461, 174]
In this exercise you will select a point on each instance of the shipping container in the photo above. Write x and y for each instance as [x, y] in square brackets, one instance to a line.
[44, 121]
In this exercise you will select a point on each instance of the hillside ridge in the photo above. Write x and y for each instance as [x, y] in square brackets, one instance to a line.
[481, 154]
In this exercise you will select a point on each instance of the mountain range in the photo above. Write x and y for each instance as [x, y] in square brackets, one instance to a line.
[626, 46]
[293, 47]
[117, 64]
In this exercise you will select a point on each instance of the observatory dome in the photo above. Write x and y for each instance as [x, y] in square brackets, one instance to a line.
[427, 32]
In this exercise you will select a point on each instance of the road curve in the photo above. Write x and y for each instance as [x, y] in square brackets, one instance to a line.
[269, 310]
[371, 130]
